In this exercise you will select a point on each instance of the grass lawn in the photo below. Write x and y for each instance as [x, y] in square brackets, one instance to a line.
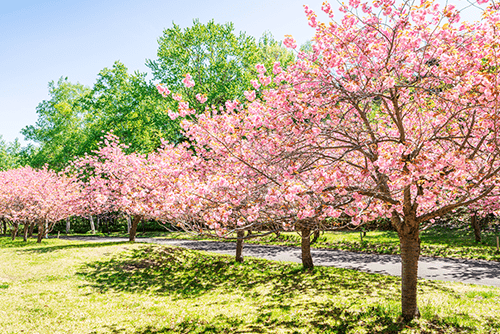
[74, 287]
[436, 242]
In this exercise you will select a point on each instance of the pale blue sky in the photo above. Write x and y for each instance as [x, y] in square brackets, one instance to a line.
[42, 40]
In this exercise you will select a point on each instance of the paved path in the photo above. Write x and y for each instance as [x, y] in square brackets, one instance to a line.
[459, 270]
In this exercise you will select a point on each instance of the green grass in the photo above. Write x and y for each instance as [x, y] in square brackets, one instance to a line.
[437, 242]
[75, 287]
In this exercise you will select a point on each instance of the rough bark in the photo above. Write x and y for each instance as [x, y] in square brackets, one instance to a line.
[92, 226]
[315, 237]
[409, 239]
[129, 224]
[32, 227]
[239, 246]
[133, 228]
[4, 227]
[476, 227]
[15, 227]
[41, 232]
[68, 225]
[307, 261]
[25, 232]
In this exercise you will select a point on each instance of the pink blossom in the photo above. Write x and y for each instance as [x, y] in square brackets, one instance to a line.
[250, 95]
[264, 80]
[289, 42]
[260, 68]
[277, 68]
[188, 81]
[163, 90]
[255, 84]
[202, 98]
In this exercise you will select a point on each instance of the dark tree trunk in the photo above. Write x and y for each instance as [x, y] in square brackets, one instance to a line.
[133, 228]
[239, 246]
[32, 227]
[15, 227]
[307, 261]
[277, 233]
[25, 232]
[475, 223]
[410, 252]
[315, 237]
[41, 232]
[4, 227]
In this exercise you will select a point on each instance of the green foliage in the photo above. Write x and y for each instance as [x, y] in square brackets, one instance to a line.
[73, 121]
[58, 130]
[221, 62]
[11, 154]
[129, 106]
[75, 117]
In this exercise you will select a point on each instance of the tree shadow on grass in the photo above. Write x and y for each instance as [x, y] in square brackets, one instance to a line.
[323, 317]
[48, 249]
[188, 273]
[273, 286]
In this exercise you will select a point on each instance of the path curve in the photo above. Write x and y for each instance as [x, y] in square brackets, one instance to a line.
[445, 269]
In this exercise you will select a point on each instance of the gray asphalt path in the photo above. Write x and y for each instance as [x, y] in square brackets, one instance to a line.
[458, 270]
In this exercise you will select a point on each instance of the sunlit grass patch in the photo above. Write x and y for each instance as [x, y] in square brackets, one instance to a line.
[133, 288]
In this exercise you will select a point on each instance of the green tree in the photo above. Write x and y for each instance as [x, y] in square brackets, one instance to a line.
[129, 106]
[10, 154]
[74, 119]
[59, 128]
[221, 62]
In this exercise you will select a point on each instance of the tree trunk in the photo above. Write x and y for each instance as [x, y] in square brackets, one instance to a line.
[92, 226]
[476, 227]
[307, 261]
[315, 237]
[41, 232]
[68, 225]
[25, 232]
[129, 224]
[133, 229]
[239, 246]
[15, 227]
[97, 223]
[4, 227]
[410, 252]
[32, 227]
[46, 227]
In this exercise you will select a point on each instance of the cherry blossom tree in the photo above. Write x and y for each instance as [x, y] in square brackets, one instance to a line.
[43, 197]
[406, 96]
[395, 111]
[119, 182]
